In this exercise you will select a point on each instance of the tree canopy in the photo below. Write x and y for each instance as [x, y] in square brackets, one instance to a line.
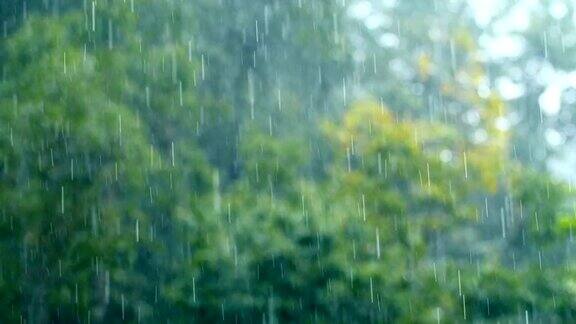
[280, 161]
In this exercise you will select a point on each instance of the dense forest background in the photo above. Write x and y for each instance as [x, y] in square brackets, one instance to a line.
[287, 161]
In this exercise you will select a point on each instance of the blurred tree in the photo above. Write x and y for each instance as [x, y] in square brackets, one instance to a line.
[168, 160]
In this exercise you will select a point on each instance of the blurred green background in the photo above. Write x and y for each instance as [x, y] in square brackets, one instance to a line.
[271, 161]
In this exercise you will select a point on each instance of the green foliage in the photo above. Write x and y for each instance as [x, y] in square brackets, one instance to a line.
[163, 160]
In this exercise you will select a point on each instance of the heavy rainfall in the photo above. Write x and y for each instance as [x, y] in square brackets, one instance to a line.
[287, 161]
